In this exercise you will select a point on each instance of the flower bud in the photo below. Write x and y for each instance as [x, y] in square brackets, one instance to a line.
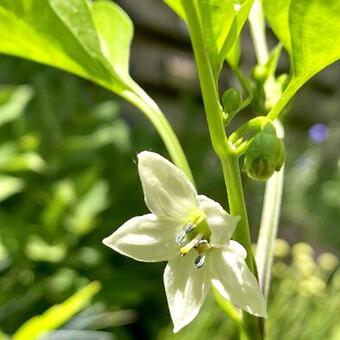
[260, 73]
[231, 100]
[265, 154]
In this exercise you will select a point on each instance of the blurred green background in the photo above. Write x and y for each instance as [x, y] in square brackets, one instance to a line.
[68, 179]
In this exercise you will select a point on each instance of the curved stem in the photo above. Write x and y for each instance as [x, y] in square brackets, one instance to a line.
[141, 100]
[293, 86]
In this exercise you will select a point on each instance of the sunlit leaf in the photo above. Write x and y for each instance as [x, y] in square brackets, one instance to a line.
[89, 206]
[310, 31]
[13, 101]
[37, 249]
[176, 6]
[115, 31]
[62, 33]
[57, 315]
[9, 186]
[13, 160]
[277, 14]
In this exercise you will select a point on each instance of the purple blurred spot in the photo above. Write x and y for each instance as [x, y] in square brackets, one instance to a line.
[318, 133]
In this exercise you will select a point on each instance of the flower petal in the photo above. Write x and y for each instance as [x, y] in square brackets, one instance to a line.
[168, 192]
[145, 238]
[186, 288]
[234, 281]
[222, 225]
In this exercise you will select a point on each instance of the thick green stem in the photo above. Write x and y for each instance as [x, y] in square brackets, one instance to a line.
[222, 147]
[142, 101]
[293, 86]
[237, 205]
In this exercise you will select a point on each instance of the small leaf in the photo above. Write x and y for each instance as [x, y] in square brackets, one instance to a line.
[13, 101]
[9, 186]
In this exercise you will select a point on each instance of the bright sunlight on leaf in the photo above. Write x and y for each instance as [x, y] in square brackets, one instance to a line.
[310, 31]
[64, 34]
[57, 315]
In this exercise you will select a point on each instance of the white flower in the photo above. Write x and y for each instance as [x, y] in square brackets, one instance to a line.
[191, 232]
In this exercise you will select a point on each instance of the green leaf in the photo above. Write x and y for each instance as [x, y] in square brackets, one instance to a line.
[63, 34]
[57, 315]
[277, 14]
[13, 101]
[83, 217]
[176, 6]
[9, 186]
[310, 31]
[315, 35]
[115, 31]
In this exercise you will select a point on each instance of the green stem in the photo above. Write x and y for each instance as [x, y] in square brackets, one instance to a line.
[293, 86]
[221, 145]
[142, 101]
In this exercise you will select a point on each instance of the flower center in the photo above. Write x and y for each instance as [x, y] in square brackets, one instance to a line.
[195, 236]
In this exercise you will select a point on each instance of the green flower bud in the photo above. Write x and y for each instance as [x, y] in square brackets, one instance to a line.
[260, 73]
[265, 154]
[231, 100]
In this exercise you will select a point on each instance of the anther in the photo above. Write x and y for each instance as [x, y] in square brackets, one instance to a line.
[181, 237]
[192, 244]
[202, 246]
[189, 227]
[199, 261]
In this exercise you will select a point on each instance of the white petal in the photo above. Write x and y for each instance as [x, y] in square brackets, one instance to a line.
[222, 225]
[186, 288]
[145, 238]
[167, 191]
[234, 281]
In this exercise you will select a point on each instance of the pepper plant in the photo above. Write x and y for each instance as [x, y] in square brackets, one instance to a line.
[92, 40]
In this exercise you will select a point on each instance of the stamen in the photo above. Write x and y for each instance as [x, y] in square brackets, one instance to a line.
[181, 237]
[202, 246]
[199, 261]
[192, 244]
[189, 227]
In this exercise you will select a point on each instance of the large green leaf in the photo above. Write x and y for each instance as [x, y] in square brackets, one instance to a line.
[315, 35]
[310, 31]
[63, 34]
[221, 24]
[277, 16]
